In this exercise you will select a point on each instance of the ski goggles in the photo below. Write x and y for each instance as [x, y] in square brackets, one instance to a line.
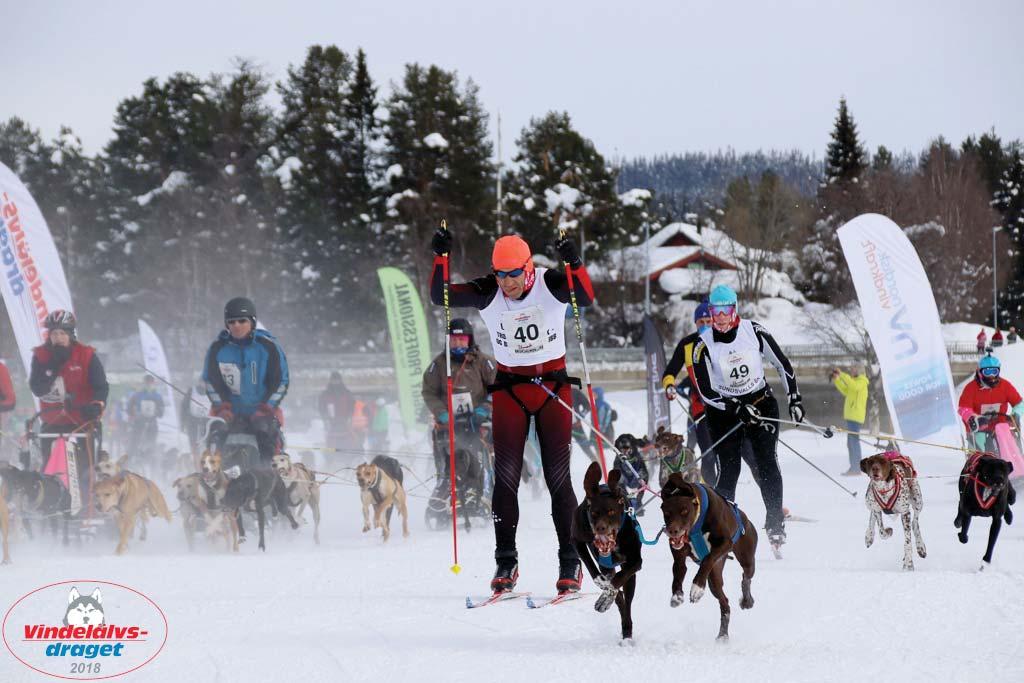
[502, 274]
[728, 310]
[460, 339]
[990, 372]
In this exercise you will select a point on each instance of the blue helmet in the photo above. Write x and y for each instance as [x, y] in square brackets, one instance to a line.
[703, 310]
[722, 295]
[988, 362]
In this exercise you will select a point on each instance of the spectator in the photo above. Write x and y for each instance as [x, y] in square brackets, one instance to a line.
[854, 386]
[982, 340]
[7, 398]
[1011, 336]
[997, 339]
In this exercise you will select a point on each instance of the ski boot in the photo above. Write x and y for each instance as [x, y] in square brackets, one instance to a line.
[777, 538]
[507, 572]
[570, 573]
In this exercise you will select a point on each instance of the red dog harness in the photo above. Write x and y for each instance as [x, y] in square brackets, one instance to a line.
[886, 498]
[970, 473]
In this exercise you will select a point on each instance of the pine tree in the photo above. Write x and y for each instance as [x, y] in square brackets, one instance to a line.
[1009, 201]
[845, 160]
[562, 182]
[882, 160]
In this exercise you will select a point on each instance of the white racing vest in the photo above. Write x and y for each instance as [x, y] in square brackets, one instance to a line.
[529, 331]
[736, 367]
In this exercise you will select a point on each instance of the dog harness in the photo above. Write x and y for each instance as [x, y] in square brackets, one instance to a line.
[971, 474]
[374, 489]
[698, 539]
[886, 498]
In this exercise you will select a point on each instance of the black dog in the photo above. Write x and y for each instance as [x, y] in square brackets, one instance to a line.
[985, 491]
[262, 487]
[606, 538]
[630, 463]
[36, 494]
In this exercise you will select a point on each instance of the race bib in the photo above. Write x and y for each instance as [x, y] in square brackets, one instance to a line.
[147, 408]
[524, 331]
[737, 371]
[56, 393]
[987, 408]
[232, 377]
[462, 403]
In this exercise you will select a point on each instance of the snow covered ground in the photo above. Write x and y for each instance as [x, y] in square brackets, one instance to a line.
[355, 609]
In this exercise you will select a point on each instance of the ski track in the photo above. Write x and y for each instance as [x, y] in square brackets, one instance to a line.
[356, 608]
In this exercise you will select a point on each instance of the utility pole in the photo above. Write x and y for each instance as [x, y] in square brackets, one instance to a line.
[995, 292]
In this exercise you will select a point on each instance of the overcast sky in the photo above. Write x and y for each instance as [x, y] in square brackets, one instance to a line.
[639, 78]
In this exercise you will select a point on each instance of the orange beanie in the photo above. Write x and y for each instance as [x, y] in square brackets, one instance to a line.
[511, 252]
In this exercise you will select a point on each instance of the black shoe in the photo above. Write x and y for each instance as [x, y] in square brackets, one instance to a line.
[570, 576]
[506, 574]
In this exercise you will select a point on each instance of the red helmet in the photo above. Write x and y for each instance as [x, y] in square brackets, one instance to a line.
[61, 320]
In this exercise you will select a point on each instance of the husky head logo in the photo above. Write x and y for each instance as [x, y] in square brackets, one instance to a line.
[83, 611]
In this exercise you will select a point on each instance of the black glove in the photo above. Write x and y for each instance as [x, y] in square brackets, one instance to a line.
[92, 411]
[796, 408]
[973, 423]
[567, 250]
[747, 413]
[441, 242]
[59, 356]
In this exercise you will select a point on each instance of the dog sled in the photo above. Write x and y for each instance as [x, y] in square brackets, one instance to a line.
[1002, 437]
[474, 475]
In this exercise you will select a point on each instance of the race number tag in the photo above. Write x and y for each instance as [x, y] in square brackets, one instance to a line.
[232, 377]
[462, 403]
[987, 408]
[56, 393]
[737, 371]
[147, 407]
[524, 330]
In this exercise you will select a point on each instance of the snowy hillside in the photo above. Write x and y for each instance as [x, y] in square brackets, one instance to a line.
[355, 609]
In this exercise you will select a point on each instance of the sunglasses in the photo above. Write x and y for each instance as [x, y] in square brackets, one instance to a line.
[990, 372]
[723, 310]
[237, 321]
[502, 274]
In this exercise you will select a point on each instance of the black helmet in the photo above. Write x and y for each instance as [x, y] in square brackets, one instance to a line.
[240, 307]
[61, 320]
[461, 326]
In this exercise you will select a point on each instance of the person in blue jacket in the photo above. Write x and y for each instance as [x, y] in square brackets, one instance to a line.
[246, 375]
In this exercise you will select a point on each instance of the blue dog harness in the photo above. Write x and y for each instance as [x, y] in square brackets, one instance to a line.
[699, 540]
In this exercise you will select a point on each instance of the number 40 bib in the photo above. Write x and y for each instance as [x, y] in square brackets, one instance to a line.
[524, 330]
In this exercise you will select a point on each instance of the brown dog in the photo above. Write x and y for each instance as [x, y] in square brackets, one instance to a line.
[4, 523]
[675, 457]
[200, 505]
[303, 489]
[106, 467]
[701, 524]
[132, 498]
[383, 492]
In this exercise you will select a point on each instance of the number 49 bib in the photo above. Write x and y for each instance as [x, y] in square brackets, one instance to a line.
[738, 370]
[524, 330]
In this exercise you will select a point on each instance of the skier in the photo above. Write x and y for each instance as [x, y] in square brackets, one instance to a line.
[986, 402]
[683, 357]
[71, 384]
[524, 309]
[145, 407]
[472, 372]
[730, 377]
[246, 375]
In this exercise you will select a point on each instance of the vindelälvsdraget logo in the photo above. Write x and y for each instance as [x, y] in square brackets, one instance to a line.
[85, 629]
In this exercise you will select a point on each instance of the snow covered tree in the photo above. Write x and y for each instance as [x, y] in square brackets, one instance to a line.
[561, 182]
[882, 160]
[1009, 201]
[438, 165]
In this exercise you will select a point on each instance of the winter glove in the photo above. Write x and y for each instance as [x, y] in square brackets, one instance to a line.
[59, 356]
[263, 410]
[441, 242]
[442, 417]
[796, 408]
[747, 413]
[223, 411]
[973, 423]
[567, 250]
[481, 413]
[92, 410]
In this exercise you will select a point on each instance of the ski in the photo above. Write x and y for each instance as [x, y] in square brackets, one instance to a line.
[557, 600]
[798, 518]
[493, 599]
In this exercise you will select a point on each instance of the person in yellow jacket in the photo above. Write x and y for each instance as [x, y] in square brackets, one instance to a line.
[854, 387]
